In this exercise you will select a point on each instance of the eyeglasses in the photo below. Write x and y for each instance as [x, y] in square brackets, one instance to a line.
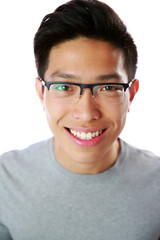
[66, 92]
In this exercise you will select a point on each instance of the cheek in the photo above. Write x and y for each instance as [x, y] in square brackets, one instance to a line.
[54, 113]
[122, 112]
[118, 114]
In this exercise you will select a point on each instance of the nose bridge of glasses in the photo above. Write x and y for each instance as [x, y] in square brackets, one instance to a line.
[84, 86]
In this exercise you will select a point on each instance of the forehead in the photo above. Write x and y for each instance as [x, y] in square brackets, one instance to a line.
[85, 56]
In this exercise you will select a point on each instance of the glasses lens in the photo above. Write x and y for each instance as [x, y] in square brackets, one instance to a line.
[68, 93]
[109, 93]
[63, 92]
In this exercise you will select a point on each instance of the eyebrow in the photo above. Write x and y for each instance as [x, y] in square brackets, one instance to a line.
[109, 77]
[70, 76]
[64, 75]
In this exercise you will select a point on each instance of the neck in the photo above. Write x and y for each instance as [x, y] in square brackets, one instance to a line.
[83, 167]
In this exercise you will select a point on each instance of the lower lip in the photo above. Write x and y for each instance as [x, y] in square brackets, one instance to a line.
[87, 143]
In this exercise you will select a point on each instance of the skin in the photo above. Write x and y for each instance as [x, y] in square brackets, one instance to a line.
[86, 60]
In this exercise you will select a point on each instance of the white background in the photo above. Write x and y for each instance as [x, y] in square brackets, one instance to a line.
[22, 121]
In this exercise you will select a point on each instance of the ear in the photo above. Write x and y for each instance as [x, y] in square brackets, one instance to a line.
[39, 90]
[133, 90]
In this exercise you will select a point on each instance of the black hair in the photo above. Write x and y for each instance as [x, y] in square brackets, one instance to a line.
[83, 18]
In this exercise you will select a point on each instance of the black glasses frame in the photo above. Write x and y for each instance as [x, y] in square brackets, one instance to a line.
[90, 86]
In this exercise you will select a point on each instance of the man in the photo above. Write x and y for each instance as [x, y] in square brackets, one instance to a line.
[85, 182]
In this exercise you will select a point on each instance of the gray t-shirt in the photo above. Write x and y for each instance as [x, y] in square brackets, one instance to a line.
[40, 200]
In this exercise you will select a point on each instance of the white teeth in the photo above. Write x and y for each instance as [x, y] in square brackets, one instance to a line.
[89, 135]
[97, 133]
[78, 135]
[86, 136]
[82, 135]
[94, 134]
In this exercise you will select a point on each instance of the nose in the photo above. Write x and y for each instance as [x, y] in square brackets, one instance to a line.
[86, 109]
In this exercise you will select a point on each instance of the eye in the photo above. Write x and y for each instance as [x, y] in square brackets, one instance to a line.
[61, 90]
[112, 88]
[60, 87]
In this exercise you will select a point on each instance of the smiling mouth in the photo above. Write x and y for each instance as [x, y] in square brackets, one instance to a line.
[86, 135]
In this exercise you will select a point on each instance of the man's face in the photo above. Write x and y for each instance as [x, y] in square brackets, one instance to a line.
[86, 61]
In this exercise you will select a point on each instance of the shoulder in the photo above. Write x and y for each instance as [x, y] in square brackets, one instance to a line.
[139, 161]
[139, 154]
[31, 154]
